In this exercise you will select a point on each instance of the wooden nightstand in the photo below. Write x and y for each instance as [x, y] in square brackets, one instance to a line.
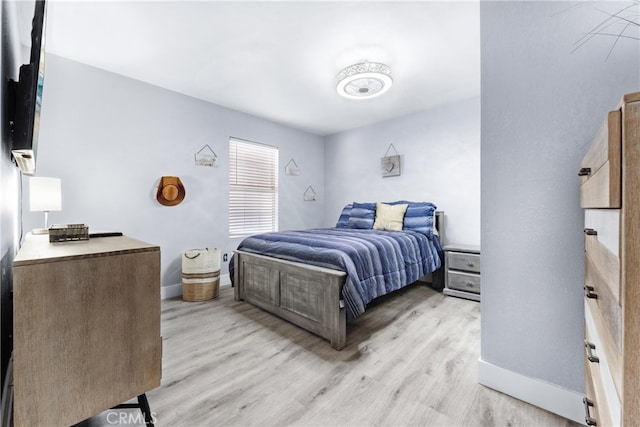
[462, 271]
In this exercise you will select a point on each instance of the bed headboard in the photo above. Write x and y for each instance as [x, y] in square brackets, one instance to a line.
[440, 226]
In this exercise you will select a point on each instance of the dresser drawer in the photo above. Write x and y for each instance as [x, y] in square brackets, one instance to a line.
[597, 333]
[603, 305]
[600, 371]
[463, 261]
[600, 169]
[464, 281]
[600, 406]
[603, 301]
[593, 406]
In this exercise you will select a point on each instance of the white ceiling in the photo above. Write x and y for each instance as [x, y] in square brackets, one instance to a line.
[278, 60]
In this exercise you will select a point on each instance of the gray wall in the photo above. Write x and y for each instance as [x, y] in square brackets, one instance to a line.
[111, 138]
[440, 163]
[541, 104]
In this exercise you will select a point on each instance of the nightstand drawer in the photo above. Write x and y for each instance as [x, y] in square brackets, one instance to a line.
[463, 261]
[464, 281]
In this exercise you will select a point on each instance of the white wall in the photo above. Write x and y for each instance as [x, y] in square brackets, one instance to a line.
[111, 138]
[541, 104]
[440, 163]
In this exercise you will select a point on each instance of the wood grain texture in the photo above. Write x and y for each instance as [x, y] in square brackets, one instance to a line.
[34, 251]
[596, 191]
[607, 346]
[605, 263]
[629, 98]
[630, 259]
[306, 295]
[410, 360]
[594, 387]
[604, 143]
[86, 328]
[607, 304]
[623, 282]
[602, 188]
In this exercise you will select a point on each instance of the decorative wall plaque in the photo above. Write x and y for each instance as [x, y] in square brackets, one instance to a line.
[206, 157]
[390, 165]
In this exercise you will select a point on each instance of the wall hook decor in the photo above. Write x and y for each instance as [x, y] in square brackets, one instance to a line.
[206, 157]
[292, 168]
[309, 194]
[390, 165]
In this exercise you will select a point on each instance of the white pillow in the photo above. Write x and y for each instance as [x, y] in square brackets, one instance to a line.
[389, 217]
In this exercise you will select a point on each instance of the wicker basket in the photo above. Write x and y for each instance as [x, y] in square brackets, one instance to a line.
[200, 274]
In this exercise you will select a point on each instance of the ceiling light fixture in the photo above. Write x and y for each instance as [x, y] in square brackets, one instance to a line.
[364, 80]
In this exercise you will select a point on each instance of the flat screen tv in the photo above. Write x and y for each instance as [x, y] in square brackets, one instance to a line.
[24, 118]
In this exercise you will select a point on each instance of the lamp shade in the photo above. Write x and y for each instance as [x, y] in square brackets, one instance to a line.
[45, 194]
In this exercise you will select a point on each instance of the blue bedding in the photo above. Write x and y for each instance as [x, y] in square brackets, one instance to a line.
[376, 262]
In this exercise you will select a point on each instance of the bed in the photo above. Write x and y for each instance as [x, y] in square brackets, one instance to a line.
[319, 279]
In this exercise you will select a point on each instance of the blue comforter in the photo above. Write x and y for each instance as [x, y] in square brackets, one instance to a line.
[376, 262]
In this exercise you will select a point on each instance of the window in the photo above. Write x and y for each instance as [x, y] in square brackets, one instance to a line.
[253, 188]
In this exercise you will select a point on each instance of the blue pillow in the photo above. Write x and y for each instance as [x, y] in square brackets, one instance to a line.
[419, 216]
[343, 221]
[363, 215]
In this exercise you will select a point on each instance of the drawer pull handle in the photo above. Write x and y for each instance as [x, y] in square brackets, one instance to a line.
[587, 414]
[584, 171]
[470, 284]
[470, 264]
[589, 292]
[590, 356]
[590, 232]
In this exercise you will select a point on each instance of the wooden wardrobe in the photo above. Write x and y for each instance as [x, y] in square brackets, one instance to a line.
[610, 195]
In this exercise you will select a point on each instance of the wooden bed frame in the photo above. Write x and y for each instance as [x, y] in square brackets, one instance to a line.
[305, 295]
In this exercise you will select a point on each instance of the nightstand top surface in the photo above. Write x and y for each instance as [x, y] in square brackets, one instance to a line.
[461, 247]
[36, 249]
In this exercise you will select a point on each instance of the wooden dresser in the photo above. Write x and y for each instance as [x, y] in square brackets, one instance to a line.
[610, 195]
[86, 327]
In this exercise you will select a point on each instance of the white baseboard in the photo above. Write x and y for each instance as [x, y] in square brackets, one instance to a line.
[173, 291]
[551, 397]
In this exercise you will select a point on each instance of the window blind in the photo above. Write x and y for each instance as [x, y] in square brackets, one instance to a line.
[253, 188]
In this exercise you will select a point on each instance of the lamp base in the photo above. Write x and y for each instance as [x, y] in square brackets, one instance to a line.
[40, 231]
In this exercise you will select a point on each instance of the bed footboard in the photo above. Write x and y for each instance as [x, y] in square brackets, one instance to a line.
[305, 295]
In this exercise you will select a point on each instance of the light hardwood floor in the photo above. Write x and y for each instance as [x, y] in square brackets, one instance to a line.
[410, 360]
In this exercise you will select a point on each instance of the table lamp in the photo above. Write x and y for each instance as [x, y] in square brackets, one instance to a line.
[45, 195]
